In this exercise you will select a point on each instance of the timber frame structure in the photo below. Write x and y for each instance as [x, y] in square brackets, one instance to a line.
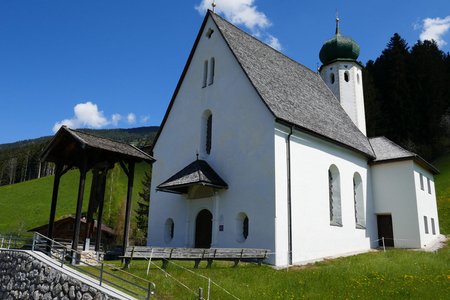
[75, 149]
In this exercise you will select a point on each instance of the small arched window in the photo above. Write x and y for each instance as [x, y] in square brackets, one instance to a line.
[242, 227]
[358, 78]
[212, 66]
[205, 73]
[169, 230]
[334, 190]
[206, 132]
[346, 76]
[332, 78]
[359, 201]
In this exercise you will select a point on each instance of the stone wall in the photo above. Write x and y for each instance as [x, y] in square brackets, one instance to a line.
[24, 277]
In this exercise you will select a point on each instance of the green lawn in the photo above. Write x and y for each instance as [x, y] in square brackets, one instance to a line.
[26, 205]
[396, 274]
[442, 183]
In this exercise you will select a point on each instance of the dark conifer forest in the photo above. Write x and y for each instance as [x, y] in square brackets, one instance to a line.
[407, 97]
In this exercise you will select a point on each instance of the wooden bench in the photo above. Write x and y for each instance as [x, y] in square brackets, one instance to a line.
[196, 254]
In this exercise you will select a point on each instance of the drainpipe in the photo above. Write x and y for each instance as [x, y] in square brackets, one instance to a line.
[289, 200]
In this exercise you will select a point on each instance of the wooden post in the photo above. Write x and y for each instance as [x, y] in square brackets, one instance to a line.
[128, 208]
[76, 233]
[51, 221]
[92, 206]
[101, 202]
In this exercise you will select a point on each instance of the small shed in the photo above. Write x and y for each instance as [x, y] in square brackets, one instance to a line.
[76, 149]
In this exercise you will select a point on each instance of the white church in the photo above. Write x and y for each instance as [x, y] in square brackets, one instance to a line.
[258, 151]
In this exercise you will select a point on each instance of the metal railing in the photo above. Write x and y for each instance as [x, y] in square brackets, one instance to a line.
[96, 269]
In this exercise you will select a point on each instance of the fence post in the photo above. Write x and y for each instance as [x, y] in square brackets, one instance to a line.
[149, 291]
[200, 294]
[34, 241]
[384, 248]
[101, 274]
[63, 258]
[209, 287]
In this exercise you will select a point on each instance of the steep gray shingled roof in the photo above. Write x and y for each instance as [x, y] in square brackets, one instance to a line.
[292, 92]
[386, 150]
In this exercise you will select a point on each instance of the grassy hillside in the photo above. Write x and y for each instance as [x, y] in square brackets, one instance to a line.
[395, 274]
[442, 183]
[26, 205]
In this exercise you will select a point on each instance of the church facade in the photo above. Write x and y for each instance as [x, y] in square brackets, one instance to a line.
[258, 151]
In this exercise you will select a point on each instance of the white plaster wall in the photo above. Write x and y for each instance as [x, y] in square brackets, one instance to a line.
[312, 235]
[394, 190]
[242, 154]
[350, 94]
[426, 205]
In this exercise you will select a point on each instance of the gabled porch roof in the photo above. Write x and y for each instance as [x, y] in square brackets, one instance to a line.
[197, 173]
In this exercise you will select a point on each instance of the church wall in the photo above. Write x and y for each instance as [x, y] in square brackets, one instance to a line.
[242, 154]
[312, 235]
[395, 194]
[426, 205]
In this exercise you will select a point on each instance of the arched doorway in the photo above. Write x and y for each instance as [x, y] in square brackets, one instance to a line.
[203, 229]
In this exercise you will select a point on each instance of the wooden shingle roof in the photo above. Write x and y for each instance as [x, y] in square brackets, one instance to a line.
[291, 91]
[387, 151]
[198, 172]
[71, 146]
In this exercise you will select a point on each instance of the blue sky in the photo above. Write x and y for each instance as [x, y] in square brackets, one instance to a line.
[115, 64]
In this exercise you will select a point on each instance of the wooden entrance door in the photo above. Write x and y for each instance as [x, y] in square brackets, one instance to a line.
[203, 229]
[385, 230]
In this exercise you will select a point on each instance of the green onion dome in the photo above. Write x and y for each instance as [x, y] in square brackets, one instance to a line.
[339, 48]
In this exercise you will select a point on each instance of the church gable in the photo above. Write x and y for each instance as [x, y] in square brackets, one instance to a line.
[211, 74]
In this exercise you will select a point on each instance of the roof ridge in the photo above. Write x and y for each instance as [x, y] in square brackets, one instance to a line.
[101, 137]
[258, 40]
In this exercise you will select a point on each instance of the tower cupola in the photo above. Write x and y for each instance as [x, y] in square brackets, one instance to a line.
[342, 73]
[339, 47]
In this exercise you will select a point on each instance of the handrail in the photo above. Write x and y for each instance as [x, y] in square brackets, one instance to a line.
[41, 243]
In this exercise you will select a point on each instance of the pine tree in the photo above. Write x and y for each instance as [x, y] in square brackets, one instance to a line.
[142, 209]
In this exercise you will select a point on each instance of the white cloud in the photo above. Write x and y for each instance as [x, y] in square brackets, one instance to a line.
[238, 12]
[115, 118]
[243, 12]
[88, 115]
[85, 114]
[131, 118]
[435, 29]
[144, 119]
[273, 42]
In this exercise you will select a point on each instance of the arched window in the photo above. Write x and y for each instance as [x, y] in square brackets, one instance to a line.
[212, 65]
[206, 132]
[357, 78]
[332, 78]
[334, 189]
[205, 73]
[359, 201]
[346, 76]
[169, 229]
[242, 227]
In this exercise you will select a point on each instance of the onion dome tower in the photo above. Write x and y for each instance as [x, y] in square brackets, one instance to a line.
[343, 75]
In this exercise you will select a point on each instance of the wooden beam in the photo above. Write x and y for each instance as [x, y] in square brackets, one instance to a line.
[51, 221]
[76, 233]
[128, 208]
